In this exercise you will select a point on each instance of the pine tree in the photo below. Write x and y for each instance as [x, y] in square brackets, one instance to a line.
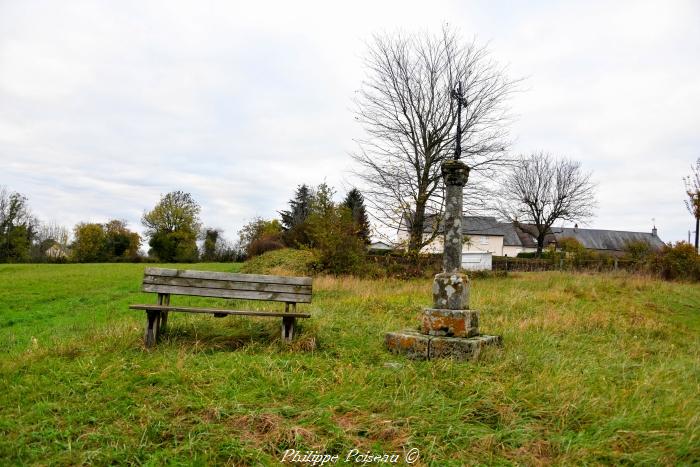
[355, 202]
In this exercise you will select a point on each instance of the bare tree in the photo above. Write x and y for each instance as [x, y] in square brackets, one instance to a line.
[540, 190]
[406, 109]
[692, 189]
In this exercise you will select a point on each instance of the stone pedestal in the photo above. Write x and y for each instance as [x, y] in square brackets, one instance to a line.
[450, 323]
[449, 329]
[418, 346]
[451, 291]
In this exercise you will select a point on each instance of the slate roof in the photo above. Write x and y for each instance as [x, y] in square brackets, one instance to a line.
[481, 225]
[486, 226]
[597, 239]
[522, 235]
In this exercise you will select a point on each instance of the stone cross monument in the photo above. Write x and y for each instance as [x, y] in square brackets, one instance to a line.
[449, 328]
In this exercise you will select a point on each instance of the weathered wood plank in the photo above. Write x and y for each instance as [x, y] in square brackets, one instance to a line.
[288, 327]
[164, 314]
[231, 285]
[149, 338]
[227, 276]
[224, 293]
[272, 314]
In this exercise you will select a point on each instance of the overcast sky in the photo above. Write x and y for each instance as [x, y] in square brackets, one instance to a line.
[104, 106]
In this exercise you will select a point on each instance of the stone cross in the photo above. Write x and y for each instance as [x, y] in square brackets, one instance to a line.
[449, 328]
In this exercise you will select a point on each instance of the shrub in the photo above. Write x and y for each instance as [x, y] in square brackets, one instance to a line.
[262, 245]
[637, 251]
[260, 235]
[677, 261]
[573, 248]
[282, 261]
[333, 236]
[403, 266]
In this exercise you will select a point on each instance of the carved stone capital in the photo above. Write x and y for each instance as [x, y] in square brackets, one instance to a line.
[455, 172]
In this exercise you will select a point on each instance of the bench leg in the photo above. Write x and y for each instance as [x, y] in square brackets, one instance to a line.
[288, 328]
[152, 319]
[164, 314]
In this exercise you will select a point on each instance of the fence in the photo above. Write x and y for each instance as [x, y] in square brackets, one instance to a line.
[426, 265]
[589, 265]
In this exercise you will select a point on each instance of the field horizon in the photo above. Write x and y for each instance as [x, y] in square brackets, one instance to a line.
[595, 368]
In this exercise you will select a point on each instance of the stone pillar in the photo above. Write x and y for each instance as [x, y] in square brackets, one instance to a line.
[455, 173]
[451, 288]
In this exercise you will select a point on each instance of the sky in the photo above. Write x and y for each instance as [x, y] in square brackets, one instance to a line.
[106, 106]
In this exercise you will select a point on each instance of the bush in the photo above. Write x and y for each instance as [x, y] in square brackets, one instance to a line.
[260, 235]
[637, 251]
[334, 238]
[546, 254]
[262, 245]
[285, 261]
[677, 261]
[403, 266]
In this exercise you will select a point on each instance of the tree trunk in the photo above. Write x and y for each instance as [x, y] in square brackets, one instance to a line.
[697, 224]
[540, 245]
[416, 239]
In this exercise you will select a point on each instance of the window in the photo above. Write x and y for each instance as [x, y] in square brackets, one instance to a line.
[484, 241]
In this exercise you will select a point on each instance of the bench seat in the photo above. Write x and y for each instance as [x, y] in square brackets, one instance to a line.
[220, 311]
[167, 282]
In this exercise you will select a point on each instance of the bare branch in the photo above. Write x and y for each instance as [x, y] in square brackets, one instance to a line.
[540, 190]
[405, 108]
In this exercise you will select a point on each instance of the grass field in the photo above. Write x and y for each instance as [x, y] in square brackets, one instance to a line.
[594, 369]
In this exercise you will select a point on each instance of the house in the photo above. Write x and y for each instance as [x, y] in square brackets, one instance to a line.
[481, 234]
[488, 235]
[56, 251]
[608, 241]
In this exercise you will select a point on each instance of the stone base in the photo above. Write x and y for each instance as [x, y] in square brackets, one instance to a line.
[450, 323]
[451, 291]
[419, 346]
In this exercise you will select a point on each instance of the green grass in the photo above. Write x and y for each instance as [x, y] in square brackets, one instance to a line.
[594, 369]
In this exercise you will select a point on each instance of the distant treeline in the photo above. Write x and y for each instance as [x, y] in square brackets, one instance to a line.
[337, 232]
[172, 228]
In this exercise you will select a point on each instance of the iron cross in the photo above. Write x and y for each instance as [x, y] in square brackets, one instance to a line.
[457, 94]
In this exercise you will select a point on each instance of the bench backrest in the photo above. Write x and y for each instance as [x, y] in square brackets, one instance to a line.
[227, 285]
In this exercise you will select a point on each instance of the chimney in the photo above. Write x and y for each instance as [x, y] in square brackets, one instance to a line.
[653, 232]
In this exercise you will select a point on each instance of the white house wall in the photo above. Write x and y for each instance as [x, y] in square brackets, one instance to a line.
[477, 244]
[483, 244]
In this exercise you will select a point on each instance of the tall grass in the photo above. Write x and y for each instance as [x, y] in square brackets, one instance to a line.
[594, 369]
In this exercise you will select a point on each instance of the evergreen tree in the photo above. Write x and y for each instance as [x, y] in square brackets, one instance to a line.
[355, 202]
[294, 220]
[300, 208]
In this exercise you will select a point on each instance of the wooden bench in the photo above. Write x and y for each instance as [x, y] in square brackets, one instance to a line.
[167, 282]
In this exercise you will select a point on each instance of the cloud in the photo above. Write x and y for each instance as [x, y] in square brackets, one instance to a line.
[106, 106]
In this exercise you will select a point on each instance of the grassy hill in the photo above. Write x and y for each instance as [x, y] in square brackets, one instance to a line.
[597, 369]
